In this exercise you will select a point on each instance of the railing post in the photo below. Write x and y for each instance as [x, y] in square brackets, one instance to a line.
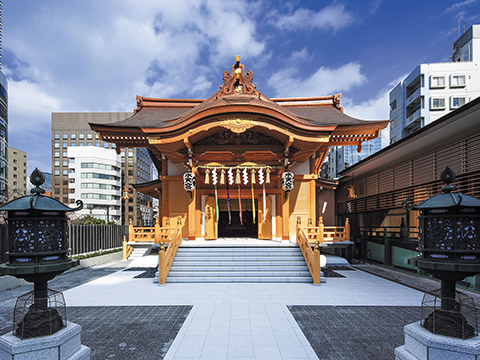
[125, 248]
[347, 230]
[157, 231]
[299, 224]
[131, 234]
[316, 264]
[321, 229]
[161, 264]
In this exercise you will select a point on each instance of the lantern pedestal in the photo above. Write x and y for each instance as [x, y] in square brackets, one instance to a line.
[421, 344]
[63, 345]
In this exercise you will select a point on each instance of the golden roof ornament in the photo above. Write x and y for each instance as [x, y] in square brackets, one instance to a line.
[237, 82]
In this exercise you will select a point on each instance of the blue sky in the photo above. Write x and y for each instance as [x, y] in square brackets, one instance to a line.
[96, 55]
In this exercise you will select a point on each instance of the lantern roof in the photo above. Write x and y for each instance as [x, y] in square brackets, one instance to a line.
[37, 201]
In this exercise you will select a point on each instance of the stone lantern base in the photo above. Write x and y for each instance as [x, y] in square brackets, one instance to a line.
[63, 345]
[421, 344]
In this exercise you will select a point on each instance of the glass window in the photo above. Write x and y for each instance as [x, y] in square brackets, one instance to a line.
[73, 144]
[97, 144]
[89, 136]
[57, 163]
[105, 145]
[81, 144]
[64, 154]
[57, 136]
[73, 136]
[457, 102]
[438, 103]
[65, 172]
[130, 152]
[65, 136]
[57, 145]
[81, 136]
[57, 181]
[437, 82]
[65, 163]
[96, 136]
[393, 123]
[65, 145]
[457, 81]
[57, 172]
[57, 153]
[89, 144]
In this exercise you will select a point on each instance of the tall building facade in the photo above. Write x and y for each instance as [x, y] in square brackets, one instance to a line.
[341, 157]
[3, 126]
[17, 173]
[72, 130]
[432, 90]
[94, 176]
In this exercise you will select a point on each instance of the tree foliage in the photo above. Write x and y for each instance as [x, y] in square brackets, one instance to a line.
[90, 220]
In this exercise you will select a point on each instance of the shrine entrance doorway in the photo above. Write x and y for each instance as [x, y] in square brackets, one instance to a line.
[234, 223]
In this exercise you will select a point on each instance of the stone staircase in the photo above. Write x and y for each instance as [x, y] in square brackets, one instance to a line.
[139, 249]
[236, 264]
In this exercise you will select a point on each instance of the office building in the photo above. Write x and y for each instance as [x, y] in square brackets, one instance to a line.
[432, 90]
[94, 175]
[72, 130]
[3, 126]
[17, 173]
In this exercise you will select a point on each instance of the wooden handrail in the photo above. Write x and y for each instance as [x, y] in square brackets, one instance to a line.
[155, 234]
[324, 233]
[166, 257]
[312, 257]
[127, 249]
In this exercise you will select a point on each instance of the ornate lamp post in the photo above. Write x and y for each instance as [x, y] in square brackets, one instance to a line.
[38, 251]
[449, 249]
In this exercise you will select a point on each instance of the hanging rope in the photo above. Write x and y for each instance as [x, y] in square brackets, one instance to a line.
[240, 204]
[264, 204]
[228, 201]
[253, 204]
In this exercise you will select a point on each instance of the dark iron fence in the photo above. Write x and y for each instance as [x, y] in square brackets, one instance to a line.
[82, 238]
[89, 238]
[3, 243]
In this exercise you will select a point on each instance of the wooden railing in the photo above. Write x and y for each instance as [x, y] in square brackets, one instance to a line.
[155, 234]
[127, 249]
[322, 233]
[166, 257]
[312, 257]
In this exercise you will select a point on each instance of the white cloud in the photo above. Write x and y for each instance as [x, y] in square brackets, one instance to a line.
[324, 81]
[457, 6]
[331, 17]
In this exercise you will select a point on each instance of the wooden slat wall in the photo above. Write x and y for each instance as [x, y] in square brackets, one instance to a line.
[417, 179]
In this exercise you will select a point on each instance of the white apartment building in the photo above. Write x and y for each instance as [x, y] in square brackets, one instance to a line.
[433, 90]
[94, 176]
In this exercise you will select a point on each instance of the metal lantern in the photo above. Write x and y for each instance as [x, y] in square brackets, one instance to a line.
[449, 247]
[37, 247]
[287, 181]
[189, 181]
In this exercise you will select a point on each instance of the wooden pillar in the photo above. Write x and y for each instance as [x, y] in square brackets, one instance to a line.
[286, 217]
[192, 207]
[165, 201]
[312, 199]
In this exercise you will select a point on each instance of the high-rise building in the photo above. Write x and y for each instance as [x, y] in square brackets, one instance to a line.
[3, 126]
[17, 173]
[94, 175]
[341, 157]
[72, 130]
[432, 90]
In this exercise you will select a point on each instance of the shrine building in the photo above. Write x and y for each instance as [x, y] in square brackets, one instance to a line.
[240, 163]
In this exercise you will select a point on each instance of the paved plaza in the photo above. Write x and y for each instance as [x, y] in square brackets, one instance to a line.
[358, 316]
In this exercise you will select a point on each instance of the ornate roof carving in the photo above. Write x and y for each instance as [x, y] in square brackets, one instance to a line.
[238, 82]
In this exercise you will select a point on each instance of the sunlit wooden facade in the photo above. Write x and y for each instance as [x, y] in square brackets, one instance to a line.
[239, 130]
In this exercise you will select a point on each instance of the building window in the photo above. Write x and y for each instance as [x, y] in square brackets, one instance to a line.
[57, 145]
[130, 152]
[57, 172]
[57, 153]
[89, 136]
[438, 104]
[73, 144]
[65, 136]
[81, 136]
[57, 181]
[393, 123]
[65, 163]
[457, 81]
[105, 145]
[437, 82]
[57, 191]
[57, 163]
[65, 172]
[64, 154]
[81, 144]
[97, 144]
[73, 136]
[57, 136]
[65, 145]
[96, 136]
[457, 102]
[393, 105]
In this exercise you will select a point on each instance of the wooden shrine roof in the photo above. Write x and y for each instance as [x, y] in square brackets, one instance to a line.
[183, 130]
